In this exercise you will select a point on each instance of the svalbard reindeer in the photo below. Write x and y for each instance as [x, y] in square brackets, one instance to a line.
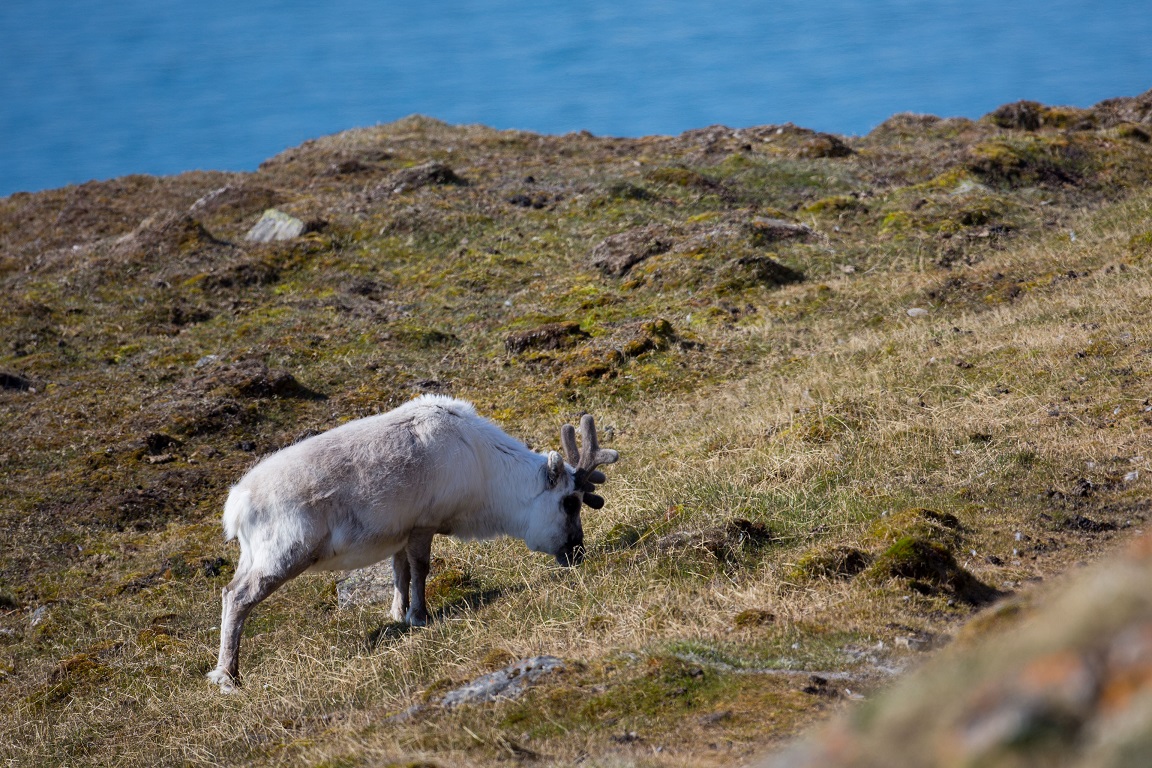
[384, 486]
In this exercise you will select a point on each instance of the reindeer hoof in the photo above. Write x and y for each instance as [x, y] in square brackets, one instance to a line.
[417, 619]
[222, 679]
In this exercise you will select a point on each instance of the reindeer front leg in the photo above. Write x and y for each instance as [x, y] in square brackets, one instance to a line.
[419, 551]
[401, 579]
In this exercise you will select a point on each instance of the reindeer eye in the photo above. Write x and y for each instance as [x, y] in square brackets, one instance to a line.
[571, 504]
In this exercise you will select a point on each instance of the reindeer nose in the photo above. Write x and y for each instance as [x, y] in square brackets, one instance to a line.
[570, 556]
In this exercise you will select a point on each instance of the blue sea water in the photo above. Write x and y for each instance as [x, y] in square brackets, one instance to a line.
[101, 89]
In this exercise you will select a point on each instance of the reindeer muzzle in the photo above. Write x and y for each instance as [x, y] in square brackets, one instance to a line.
[570, 556]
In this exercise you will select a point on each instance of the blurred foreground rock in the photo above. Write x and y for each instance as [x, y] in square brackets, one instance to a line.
[1069, 685]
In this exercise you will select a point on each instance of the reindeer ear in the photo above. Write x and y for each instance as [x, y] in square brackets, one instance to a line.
[556, 468]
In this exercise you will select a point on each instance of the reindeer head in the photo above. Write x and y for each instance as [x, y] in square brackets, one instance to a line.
[574, 485]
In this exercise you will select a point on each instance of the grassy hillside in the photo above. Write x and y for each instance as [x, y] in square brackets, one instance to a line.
[861, 387]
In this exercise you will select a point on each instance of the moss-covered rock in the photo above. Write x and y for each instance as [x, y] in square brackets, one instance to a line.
[548, 336]
[930, 567]
[922, 523]
[838, 562]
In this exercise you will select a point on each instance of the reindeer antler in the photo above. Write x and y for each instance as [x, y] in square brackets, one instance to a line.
[586, 459]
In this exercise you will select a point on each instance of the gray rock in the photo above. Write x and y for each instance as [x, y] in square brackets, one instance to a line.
[366, 586]
[617, 254]
[423, 175]
[507, 683]
[275, 225]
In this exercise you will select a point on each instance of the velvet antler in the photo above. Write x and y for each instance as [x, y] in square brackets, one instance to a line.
[586, 459]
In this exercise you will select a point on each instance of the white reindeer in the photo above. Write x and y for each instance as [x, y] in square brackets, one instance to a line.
[384, 486]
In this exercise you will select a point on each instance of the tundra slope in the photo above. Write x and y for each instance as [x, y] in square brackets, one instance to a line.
[385, 486]
[160, 352]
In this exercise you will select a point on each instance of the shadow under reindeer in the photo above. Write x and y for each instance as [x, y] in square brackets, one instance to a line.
[451, 590]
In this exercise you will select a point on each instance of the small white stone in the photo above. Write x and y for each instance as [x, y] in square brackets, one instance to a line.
[917, 312]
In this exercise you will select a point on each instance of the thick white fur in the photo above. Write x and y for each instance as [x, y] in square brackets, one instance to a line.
[368, 489]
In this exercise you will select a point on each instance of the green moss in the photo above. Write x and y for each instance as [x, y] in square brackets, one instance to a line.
[834, 204]
[421, 336]
[895, 221]
[918, 522]
[913, 558]
[68, 678]
[740, 274]
[752, 618]
[589, 365]
[1133, 132]
[626, 190]
[837, 562]
[625, 536]
[830, 421]
[1033, 160]
[680, 176]
[651, 335]
[1140, 246]
[454, 588]
[353, 762]
[667, 686]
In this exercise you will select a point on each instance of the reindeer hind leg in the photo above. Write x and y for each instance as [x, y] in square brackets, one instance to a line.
[248, 587]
